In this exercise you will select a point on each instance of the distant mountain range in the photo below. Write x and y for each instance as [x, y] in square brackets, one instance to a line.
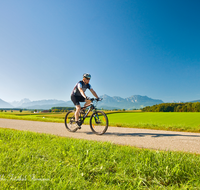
[115, 102]
[4, 104]
[133, 102]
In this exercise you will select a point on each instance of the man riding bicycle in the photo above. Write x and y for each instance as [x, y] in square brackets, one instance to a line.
[78, 95]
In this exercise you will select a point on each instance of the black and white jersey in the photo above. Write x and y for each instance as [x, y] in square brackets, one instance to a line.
[82, 85]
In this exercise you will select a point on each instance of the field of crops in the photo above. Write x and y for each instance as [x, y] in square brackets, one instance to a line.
[176, 121]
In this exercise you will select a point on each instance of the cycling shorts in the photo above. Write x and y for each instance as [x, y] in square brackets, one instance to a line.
[77, 99]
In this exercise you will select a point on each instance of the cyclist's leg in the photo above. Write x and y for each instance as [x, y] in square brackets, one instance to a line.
[75, 100]
[78, 108]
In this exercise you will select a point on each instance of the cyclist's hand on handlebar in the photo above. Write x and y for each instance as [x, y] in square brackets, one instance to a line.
[92, 99]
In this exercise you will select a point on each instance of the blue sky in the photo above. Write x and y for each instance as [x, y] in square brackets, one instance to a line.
[130, 47]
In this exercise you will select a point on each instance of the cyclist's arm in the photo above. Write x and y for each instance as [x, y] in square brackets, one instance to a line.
[82, 92]
[94, 93]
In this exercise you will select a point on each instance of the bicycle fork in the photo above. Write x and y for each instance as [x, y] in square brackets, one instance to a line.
[96, 117]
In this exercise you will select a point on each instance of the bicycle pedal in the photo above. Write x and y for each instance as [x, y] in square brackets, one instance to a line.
[78, 125]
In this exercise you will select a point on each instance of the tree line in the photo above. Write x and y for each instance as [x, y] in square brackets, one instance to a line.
[174, 107]
[61, 109]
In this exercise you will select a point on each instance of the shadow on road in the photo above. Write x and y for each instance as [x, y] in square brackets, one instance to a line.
[146, 134]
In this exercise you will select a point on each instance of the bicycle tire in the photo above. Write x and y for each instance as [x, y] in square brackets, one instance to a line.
[99, 122]
[70, 121]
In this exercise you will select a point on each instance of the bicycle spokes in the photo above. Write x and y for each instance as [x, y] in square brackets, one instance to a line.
[70, 121]
[99, 122]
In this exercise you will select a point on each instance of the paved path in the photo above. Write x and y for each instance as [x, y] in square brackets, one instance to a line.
[142, 138]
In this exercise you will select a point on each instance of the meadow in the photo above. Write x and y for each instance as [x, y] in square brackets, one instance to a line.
[174, 121]
[39, 161]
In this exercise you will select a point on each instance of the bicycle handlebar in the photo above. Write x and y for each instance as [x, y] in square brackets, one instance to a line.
[96, 99]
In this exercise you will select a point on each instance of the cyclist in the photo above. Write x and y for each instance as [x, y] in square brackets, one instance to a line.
[78, 95]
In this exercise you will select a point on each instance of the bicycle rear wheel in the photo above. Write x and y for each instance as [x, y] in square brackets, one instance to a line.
[70, 123]
[99, 122]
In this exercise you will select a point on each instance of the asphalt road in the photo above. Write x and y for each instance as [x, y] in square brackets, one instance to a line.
[142, 138]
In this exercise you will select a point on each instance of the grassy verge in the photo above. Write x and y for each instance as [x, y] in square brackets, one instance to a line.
[46, 117]
[39, 161]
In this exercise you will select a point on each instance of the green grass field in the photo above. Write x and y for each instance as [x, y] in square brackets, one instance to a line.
[175, 121]
[39, 161]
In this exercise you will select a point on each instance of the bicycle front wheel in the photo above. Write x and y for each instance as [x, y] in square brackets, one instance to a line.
[99, 122]
[70, 122]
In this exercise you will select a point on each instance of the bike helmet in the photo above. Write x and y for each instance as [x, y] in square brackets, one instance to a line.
[87, 76]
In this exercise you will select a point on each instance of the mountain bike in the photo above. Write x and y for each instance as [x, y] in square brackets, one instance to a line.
[98, 120]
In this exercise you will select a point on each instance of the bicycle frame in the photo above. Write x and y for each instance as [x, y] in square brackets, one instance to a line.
[91, 108]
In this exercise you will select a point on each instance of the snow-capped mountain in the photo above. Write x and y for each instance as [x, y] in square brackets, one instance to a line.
[133, 102]
[20, 103]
